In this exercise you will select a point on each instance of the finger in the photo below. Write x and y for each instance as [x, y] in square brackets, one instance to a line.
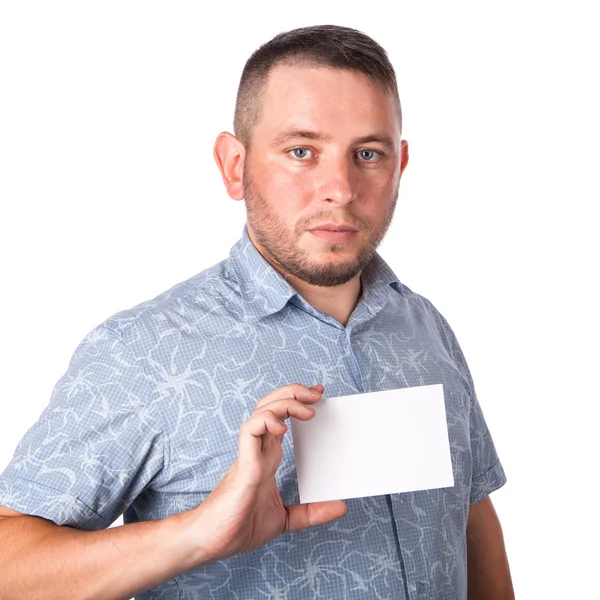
[301, 516]
[259, 424]
[255, 430]
[294, 390]
[284, 409]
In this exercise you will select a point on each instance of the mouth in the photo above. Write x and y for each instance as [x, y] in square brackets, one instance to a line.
[334, 233]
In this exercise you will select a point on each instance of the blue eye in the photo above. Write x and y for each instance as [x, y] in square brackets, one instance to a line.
[301, 153]
[367, 155]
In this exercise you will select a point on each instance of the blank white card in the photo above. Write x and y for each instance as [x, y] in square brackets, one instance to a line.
[371, 444]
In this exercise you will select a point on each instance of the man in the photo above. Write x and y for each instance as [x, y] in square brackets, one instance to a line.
[173, 412]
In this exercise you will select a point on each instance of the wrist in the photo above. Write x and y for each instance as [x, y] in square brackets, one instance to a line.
[184, 543]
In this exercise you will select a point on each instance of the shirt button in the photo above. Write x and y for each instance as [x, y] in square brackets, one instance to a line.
[422, 588]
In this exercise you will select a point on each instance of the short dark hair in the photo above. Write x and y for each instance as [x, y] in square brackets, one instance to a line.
[321, 46]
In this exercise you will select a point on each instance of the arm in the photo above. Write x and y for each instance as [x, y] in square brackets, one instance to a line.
[42, 560]
[488, 571]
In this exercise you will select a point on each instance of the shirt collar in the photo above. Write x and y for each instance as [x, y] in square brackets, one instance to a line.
[264, 291]
[378, 280]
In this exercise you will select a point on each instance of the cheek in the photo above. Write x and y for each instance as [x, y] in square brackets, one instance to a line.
[288, 187]
[384, 185]
[377, 192]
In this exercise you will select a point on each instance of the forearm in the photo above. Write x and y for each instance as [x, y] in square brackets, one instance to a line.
[42, 560]
[488, 570]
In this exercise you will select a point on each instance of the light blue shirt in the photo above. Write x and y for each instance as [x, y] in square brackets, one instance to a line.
[145, 423]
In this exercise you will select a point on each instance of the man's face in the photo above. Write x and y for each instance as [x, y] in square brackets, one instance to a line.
[322, 172]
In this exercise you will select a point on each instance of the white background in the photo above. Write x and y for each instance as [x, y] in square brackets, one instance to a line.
[109, 195]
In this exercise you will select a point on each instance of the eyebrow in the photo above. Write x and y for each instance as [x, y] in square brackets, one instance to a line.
[307, 134]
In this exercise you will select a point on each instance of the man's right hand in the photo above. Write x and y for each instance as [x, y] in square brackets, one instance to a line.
[245, 509]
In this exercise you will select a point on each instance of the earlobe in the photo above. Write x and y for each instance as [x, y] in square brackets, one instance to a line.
[229, 154]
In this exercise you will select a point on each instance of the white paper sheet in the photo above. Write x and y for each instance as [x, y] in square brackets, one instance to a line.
[371, 444]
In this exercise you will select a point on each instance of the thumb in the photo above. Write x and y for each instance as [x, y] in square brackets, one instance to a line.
[301, 516]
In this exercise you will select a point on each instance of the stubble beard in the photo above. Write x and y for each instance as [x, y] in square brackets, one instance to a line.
[273, 238]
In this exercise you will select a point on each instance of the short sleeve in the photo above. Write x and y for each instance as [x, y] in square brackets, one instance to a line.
[487, 471]
[96, 446]
[488, 474]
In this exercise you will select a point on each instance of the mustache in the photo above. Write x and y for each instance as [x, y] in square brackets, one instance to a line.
[324, 216]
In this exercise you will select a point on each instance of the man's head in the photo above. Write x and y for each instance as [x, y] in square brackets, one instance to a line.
[318, 153]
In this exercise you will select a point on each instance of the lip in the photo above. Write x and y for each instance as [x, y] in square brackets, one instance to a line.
[333, 227]
[332, 233]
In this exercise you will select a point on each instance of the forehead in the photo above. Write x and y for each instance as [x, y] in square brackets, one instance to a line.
[333, 101]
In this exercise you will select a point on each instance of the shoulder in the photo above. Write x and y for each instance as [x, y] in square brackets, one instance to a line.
[184, 303]
[416, 301]
[425, 311]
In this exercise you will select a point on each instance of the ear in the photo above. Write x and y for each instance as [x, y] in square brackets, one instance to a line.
[403, 156]
[229, 154]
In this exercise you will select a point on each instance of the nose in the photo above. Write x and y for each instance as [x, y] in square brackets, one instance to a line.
[337, 184]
